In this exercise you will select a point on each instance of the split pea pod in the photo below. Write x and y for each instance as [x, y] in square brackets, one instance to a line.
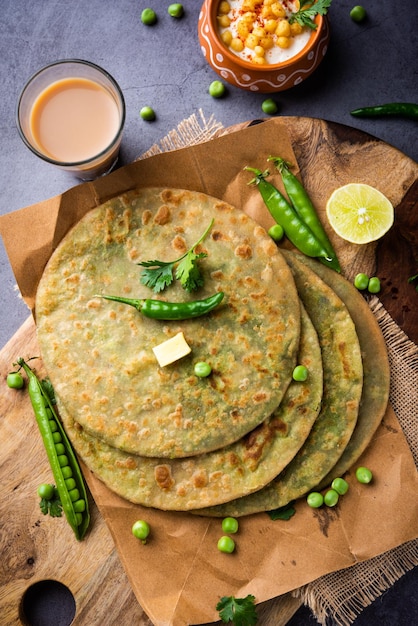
[304, 207]
[295, 229]
[162, 310]
[65, 469]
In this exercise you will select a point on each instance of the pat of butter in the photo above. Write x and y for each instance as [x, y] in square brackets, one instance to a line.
[171, 350]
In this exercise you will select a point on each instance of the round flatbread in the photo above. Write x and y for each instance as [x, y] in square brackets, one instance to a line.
[99, 354]
[343, 382]
[376, 370]
[219, 476]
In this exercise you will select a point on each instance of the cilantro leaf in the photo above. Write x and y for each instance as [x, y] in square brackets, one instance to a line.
[157, 275]
[305, 16]
[52, 507]
[283, 512]
[239, 611]
[411, 280]
[160, 274]
[188, 272]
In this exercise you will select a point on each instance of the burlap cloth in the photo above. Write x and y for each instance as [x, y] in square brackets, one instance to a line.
[340, 596]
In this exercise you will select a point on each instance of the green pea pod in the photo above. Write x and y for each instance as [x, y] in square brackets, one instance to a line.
[295, 229]
[161, 310]
[302, 204]
[44, 414]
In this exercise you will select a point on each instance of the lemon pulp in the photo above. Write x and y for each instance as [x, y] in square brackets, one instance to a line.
[359, 213]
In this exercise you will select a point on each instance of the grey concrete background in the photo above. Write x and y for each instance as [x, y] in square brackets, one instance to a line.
[162, 66]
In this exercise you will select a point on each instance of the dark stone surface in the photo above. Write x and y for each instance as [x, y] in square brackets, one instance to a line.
[162, 66]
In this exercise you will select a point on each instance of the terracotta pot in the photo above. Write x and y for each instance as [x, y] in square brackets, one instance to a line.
[259, 78]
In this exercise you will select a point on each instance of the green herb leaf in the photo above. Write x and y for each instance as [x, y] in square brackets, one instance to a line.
[283, 513]
[52, 507]
[305, 16]
[411, 280]
[160, 274]
[239, 611]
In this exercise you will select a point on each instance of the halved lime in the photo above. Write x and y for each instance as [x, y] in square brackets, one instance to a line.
[359, 213]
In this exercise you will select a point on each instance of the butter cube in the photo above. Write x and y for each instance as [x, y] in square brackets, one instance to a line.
[171, 350]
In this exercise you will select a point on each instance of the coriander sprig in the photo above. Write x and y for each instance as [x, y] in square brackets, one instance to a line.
[238, 611]
[160, 274]
[305, 15]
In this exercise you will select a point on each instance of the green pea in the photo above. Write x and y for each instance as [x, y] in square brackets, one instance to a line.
[361, 281]
[67, 472]
[74, 495]
[269, 106]
[78, 518]
[148, 17]
[56, 436]
[217, 89]
[202, 369]
[230, 525]
[53, 426]
[331, 497]
[175, 10]
[63, 460]
[276, 232]
[79, 506]
[300, 373]
[358, 13]
[60, 448]
[141, 530]
[374, 285]
[315, 499]
[147, 113]
[70, 483]
[364, 475]
[46, 491]
[340, 485]
[226, 544]
[15, 380]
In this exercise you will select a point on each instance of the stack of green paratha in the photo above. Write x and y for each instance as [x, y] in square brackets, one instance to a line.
[246, 438]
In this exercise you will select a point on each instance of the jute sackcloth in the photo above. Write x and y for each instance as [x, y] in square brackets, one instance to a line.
[341, 596]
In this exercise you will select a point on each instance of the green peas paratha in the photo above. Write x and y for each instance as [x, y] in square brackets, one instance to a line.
[219, 476]
[376, 372]
[99, 356]
[343, 382]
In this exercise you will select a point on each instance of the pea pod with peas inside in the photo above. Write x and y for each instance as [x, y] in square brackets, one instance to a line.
[304, 207]
[64, 465]
[162, 310]
[285, 215]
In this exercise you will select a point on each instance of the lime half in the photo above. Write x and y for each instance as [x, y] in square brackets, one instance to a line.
[359, 213]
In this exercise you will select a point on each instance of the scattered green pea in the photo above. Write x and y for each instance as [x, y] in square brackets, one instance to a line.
[358, 13]
[147, 113]
[315, 499]
[331, 497]
[175, 10]
[15, 380]
[230, 525]
[226, 544]
[217, 89]
[374, 285]
[141, 530]
[269, 106]
[202, 369]
[148, 17]
[361, 281]
[46, 491]
[276, 232]
[300, 373]
[340, 486]
[364, 475]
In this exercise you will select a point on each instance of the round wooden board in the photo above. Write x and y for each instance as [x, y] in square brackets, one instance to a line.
[32, 548]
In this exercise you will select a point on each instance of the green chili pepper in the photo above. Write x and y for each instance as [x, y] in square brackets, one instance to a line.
[65, 469]
[295, 229]
[305, 209]
[401, 109]
[161, 310]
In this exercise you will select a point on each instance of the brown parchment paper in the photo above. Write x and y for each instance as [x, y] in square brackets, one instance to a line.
[179, 575]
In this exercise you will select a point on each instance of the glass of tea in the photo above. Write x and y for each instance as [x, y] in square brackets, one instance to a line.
[71, 113]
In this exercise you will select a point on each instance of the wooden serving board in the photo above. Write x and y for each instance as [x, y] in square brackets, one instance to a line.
[35, 548]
